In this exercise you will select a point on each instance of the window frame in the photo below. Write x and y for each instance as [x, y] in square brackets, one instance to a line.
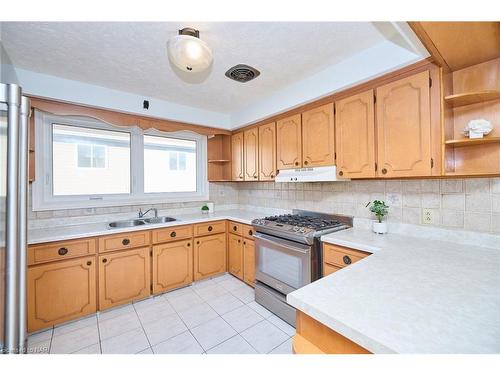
[42, 189]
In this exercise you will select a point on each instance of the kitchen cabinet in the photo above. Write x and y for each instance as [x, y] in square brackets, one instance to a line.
[318, 140]
[404, 127]
[209, 256]
[355, 136]
[60, 291]
[61, 250]
[249, 261]
[211, 227]
[251, 154]
[235, 253]
[267, 152]
[172, 234]
[237, 157]
[337, 257]
[289, 142]
[172, 265]
[124, 241]
[124, 276]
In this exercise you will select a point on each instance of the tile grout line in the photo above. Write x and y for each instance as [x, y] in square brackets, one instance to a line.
[99, 333]
[143, 330]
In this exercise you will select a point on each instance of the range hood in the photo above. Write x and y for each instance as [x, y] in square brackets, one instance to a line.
[318, 174]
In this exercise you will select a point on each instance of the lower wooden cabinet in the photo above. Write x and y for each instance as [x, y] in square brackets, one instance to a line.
[172, 265]
[60, 291]
[124, 276]
[235, 253]
[209, 256]
[249, 261]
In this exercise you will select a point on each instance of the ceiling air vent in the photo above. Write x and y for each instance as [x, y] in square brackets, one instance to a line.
[242, 73]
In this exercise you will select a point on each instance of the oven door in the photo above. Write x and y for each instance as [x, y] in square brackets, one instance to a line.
[281, 264]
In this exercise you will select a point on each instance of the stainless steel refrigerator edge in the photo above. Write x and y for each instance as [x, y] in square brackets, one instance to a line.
[14, 110]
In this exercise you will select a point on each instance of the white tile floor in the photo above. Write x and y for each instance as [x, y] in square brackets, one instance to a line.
[215, 316]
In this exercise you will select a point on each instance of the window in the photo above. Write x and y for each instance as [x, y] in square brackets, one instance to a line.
[86, 163]
[169, 164]
[91, 156]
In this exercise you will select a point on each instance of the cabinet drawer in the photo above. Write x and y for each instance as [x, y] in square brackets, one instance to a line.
[172, 233]
[341, 256]
[60, 250]
[235, 228]
[123, 241]
[329, 269]
[248, 231]
[209, 228]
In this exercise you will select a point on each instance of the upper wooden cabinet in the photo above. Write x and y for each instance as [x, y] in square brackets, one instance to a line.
[172, 265]
[251, 154]
[124, 276]
[289, 142]
[267, 152]
[209, 256]
[60, 291]
[404, 127]
[237, 157]
[318, 140]
[355, 136]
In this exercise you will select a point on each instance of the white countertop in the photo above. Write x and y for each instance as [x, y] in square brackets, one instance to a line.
[67, 232]
[412, 295]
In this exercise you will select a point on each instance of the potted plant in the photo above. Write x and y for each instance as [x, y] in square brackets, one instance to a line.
[380, 209]
[204, 209]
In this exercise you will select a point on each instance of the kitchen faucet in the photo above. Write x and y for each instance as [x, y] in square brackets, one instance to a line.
[142, 214]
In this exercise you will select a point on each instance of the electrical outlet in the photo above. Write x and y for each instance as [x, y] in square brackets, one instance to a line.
[427, 216]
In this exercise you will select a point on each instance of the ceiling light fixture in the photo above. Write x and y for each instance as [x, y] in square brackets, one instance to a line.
[188, 52]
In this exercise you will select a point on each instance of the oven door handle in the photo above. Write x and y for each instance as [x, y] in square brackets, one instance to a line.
[303, 249]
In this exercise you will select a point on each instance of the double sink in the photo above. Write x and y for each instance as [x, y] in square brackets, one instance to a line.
[137, 222]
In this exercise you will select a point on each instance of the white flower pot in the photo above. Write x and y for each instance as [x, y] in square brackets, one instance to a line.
[379, 228]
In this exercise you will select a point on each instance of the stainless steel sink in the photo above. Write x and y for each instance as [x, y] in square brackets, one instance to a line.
[137, 222]
[158, 220]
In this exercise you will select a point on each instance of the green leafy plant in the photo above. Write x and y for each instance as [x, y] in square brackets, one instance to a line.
[204, 208]
[379, 208]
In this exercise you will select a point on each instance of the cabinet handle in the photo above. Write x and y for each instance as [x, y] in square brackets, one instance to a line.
[126, 241]
[62, 251]
[189, 244]
[254, 176]
[89, 263]
[341, 173]
[244, 242]
[173, 234]
[235, 228]
[104, 260]
[210, 228]
[197, 242]
[306, 162]
[296, 163]
[272, 176]
[384, 171]
[250, 232]
[239, 241]
[347, 260]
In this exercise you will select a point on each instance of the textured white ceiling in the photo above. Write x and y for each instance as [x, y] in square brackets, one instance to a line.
[132, 56]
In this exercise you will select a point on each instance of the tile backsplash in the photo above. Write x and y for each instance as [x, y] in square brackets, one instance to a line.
[470, 204]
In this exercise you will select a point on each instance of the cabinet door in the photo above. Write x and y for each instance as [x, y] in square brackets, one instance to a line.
[60, 291]
[172, 265]
[237, 157]
[404, 127]
[267, 152]
[249, 261]
[235, 250]
[251, 154]
[355, 136]
[289, 142]
[209, 256]
[124, 276]
[318, 140]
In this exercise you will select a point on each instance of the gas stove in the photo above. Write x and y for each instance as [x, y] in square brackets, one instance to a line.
[302, 226]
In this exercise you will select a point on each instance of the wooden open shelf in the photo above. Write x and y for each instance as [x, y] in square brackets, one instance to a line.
[219, 158]
[472, 142]
[219, 161]
[459, 100]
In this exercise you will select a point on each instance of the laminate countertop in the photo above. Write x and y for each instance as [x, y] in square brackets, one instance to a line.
[412, 295]
[67, 232]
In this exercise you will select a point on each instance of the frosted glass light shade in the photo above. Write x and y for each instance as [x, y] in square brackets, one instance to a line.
[189, 53]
